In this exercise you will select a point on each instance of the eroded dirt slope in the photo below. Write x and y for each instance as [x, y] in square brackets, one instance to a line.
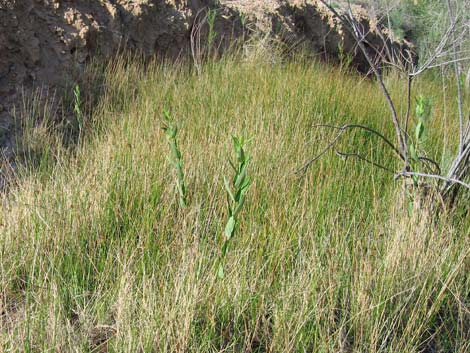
[48, 43]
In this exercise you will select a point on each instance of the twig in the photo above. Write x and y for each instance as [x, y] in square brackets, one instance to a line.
[326, 149]
[449, 62]
[362, 158]
[434, 176]
[408, 108]
[343, 129]
[436, 52]
[433, 162]
[366, 128]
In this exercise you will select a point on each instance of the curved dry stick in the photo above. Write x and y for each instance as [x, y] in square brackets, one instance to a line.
[366, 128]
[408, 104]
[344, 129]
[362, 158]
[326, 149]
[433, 162]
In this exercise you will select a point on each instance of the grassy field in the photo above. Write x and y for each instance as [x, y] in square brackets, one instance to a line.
[96, 255]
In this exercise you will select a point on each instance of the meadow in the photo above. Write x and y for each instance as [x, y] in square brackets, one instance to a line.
[97, 253]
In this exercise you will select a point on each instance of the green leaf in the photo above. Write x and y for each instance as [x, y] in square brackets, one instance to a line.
[232, 165]
[423, 107]
[410, 207]
[419, 132]
[220, 271]
[419, 109]
[224, 248]
[236, 142]
[238, 147]
[245, 184]
[166, 114]
[230, 227]
[413, 154]
[229, 191]
[240, 177]
[239, 206]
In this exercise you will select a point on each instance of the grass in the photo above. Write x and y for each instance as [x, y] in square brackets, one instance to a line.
[95, 256]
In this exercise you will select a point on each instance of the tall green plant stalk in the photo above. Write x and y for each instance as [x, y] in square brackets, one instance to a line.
[77, 108]
[211, 17]
[175, 157]
[236, 191]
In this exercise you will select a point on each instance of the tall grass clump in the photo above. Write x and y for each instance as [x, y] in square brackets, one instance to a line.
[94, 258]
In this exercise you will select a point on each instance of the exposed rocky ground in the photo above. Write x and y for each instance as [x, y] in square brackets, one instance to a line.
[48, 43]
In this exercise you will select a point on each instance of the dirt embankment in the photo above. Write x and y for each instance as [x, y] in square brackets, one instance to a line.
[48, 43]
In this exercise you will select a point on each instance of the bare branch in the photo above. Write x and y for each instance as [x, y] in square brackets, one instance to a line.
[408, 104]
[326, 149]
[458, 161]
[436, 53]
[449, 62]
[342, 130]
[433, 176]
[431, 161]
[346, 155]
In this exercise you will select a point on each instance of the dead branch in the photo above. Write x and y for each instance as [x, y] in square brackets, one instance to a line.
[342, 130]
[433, 176]
[346, 155]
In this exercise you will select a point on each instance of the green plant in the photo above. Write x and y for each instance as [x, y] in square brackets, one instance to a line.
[243, 21]
[95, 237]
[417, 151]
[236, 191]
[345, 58]
[448, 184]
[77, 107]
[211, 17]
[175, 157]
[423, 113]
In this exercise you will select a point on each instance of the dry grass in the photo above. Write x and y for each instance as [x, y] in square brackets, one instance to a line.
[96, 255]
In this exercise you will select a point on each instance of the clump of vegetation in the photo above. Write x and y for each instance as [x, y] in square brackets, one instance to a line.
[93, 258]
[448, 183]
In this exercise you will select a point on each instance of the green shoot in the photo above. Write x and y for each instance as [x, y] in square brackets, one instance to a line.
[236, 191]
[175, 157]
[211, 16]
[77, 107]
[423, 113]
[345, 58]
